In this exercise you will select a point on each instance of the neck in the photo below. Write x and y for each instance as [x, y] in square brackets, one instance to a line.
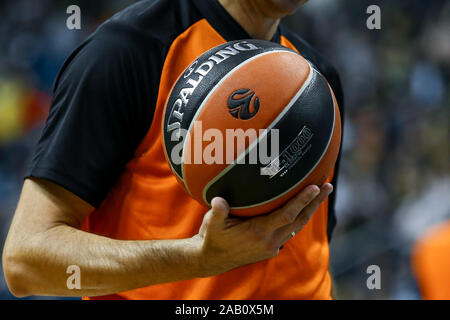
[255, 16]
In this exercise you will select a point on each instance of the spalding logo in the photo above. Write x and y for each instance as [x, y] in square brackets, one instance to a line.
[191, 69]
[239, 104]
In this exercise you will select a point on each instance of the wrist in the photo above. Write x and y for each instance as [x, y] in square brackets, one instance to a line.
[196, 257]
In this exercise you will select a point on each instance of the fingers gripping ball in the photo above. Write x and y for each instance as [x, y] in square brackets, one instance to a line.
[253, 122]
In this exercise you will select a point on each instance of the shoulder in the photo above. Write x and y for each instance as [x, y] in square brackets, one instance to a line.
[316, 58]
[139, 34]
[159, 20]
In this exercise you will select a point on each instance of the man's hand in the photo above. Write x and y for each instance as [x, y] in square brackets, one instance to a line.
[227, 243]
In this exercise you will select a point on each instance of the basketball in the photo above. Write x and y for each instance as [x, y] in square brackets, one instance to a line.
[253, 122]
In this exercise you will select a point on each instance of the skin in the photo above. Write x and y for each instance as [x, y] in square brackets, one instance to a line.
[260, 18]
[45, 238]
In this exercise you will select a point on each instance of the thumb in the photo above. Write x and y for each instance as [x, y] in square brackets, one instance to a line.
[220, 209]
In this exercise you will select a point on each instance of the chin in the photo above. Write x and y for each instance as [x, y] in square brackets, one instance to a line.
[288, 6]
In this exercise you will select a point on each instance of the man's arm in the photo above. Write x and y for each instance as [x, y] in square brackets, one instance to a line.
[44, 240]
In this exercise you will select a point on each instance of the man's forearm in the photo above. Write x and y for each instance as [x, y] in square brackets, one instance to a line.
[107, 266]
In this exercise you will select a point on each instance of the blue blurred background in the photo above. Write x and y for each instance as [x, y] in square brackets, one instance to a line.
[395, 175]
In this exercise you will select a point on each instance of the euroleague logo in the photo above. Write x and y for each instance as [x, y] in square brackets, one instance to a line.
[243, 104]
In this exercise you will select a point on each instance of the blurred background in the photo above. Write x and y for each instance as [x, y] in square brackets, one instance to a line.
[395, 176]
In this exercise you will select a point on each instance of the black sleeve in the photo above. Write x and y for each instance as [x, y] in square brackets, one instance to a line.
[103, 104]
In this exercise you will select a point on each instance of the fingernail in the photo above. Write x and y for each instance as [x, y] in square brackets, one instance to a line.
[220, 202]
[332, 188]
[315, 191]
